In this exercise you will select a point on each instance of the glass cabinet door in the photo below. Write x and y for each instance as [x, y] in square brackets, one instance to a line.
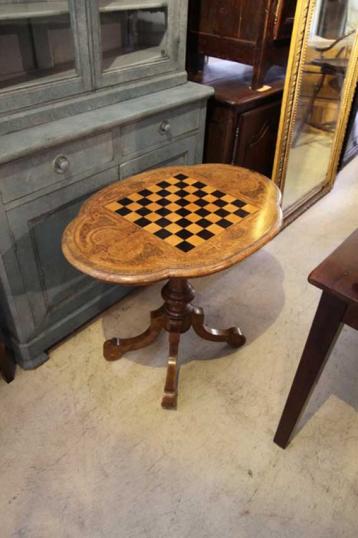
[134, 39]
[40, 48]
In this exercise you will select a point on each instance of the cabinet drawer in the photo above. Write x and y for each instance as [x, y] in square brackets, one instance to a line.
[179, 153]
[159, 129]
[64, 162]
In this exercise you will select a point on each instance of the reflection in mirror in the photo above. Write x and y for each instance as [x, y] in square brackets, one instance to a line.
[327, 55]
[36, 42]
[130, 36]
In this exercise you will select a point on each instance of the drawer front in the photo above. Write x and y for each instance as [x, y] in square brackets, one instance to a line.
[179, 153]
[159, 129]
[65, 162]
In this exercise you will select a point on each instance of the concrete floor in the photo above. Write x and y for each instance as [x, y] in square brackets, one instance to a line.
[86, 450]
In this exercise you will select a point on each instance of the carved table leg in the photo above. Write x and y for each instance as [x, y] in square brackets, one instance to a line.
[232, 336]
[114, 349]
[169, 400]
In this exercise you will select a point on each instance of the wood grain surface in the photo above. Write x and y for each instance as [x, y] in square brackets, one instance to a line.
[107, 246]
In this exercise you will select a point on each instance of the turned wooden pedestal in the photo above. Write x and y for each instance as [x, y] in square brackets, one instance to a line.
[173, 224]
[176, 316]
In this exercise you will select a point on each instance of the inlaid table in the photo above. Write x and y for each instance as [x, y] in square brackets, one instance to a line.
[173, 223]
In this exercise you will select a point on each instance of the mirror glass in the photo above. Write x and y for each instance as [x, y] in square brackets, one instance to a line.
[36, 42]
[329, 46]
[132, 35]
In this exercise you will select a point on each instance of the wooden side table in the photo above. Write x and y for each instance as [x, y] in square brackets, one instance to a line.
[337, 277]
[173, 223]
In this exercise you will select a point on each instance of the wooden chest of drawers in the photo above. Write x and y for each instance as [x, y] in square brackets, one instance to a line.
[242, 123]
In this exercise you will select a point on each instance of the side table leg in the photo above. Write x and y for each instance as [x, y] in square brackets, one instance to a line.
[232, 336]
[169, 400]
[114, 349]
[324, 331]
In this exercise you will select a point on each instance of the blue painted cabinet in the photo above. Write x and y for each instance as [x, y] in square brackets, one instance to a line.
[90, 93]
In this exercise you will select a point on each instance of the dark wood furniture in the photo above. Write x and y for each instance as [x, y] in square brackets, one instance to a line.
[254, 33]
[173, 223]
[7, 365]
[242, 123]
[350, 147]
[337, 277]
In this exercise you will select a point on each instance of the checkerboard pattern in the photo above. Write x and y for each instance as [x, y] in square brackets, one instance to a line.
[182, 211]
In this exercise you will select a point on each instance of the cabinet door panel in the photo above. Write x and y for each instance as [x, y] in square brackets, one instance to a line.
[53, 288]
[46, 52]
[134, 40]
[256, 138]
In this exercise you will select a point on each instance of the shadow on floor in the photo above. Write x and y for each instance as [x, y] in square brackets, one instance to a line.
[249, 294]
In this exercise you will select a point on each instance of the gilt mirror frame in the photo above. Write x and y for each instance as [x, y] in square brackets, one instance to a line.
[292, 88]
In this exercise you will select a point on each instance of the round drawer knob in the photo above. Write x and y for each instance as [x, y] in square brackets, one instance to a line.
[164, 127]
[61, 164]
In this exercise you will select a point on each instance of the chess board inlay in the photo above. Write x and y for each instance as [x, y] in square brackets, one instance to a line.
[182, 211]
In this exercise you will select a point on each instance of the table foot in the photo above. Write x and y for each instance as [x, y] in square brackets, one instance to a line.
[232, 336]
[169, 400]
[115, 348]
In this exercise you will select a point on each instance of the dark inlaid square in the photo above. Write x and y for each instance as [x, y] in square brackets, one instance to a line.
[242, 213]
[238, 203]
[142, 222]
[200, 193]
[143, 201]
[125, 201]
[201, 202]
[182, 202]
[184, 223]
[183, 212]
[163, 222]
[143, 211]
[123, 211]
[163, 233]
[163, 202]
[163, 211]
[184, 234]
[202, 212]
[222, 212]
[163, 192]
[181, 184]
[185, 246]
[218, 194]
[145, 192]
[205, 234]
[220, 203]
[181, 176]
[223, 223]
[204, 223]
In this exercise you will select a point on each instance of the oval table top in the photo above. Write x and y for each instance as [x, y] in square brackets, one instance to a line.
[175, 222]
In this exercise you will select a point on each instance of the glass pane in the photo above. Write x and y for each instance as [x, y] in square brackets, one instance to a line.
[328, 51]
[37, 40]
[132, 35]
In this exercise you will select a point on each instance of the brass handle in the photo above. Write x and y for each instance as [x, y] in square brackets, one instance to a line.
[61, 164]
[164, 127]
